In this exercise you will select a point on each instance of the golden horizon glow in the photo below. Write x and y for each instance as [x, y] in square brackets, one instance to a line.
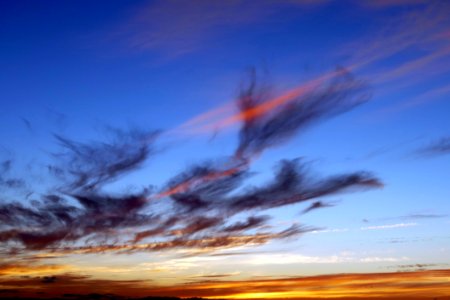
[395, 285]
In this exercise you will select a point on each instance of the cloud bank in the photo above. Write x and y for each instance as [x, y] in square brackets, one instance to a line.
[208, 206]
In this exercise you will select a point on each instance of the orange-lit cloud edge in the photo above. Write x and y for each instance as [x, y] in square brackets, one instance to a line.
[397, 285]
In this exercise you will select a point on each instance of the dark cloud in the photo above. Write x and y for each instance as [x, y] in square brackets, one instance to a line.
[78, 209]
[53, 220]
[195, 208]
[419, 266]
[424, 216]
[437, 148]
[292, 184]
[70, 286]
[7, 180]
[235, 253]
[206, 242]
[35, 240]
[201, 186]
[12, 183]
[264, 130]
[196, 225]
[410, 217]
[48, 279]
[88, 166]
[160, 229]
[316, 205]
[27, 124]
[251, 222]
[9, 291]
[5, 166]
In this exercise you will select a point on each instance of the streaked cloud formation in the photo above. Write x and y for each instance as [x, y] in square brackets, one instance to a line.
[400, 285]
[202, 198]
[389, 226]
[176, 28]
[436, 148]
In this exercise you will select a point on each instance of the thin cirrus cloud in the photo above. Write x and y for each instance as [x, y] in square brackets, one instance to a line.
[436, 148]
[204, 244]
[430, 96]
[389, 226]
[193, 210]
[414, 28]
[391, 3]
[412, 216]
[424, 216]
[421, 35]
[424, 30]
[282, 259]
[176, 28]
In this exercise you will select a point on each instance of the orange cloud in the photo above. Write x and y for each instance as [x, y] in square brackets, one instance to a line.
[16, 269]
[399, 285]
[416, 28]
[205, 123]
[380, 285]
[186, 185]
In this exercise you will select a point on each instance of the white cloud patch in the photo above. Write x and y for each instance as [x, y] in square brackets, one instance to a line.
[277, 259]
[389, 226]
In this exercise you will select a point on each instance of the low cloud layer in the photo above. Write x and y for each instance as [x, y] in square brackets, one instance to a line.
[399, 285]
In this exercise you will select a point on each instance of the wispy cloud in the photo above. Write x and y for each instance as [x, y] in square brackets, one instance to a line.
[429, 96]
[389, 226]
[411, 216]
[194, 209]
[204, 244]
[316, 205]
[391, 3]
[414, 28]
[282, 259]
[418, 267]
[415, 46]
[423, 216]
[176, 28]
[436, 148]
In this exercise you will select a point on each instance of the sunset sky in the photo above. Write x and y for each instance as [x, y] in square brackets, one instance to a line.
[226, 149]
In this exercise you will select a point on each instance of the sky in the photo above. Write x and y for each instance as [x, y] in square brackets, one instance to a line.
[225, 149]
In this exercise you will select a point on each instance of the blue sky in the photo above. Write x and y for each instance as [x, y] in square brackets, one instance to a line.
[76, 69]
